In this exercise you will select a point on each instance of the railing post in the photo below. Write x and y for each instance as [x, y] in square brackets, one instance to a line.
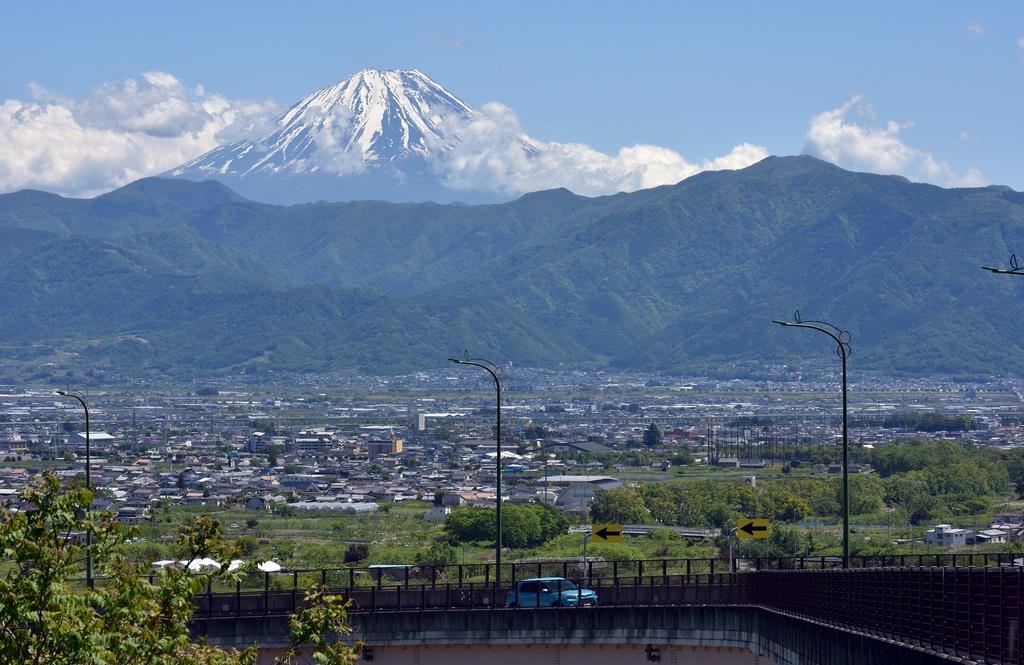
[266, 593]
[970, 618]
[209, 596]
[351, 578]
[1020, 614]
[238, 598]
[295, 588]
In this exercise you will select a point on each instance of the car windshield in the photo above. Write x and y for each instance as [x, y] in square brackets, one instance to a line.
[566, 585]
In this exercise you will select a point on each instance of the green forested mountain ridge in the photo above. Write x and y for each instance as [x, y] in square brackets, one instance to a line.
[186, 277]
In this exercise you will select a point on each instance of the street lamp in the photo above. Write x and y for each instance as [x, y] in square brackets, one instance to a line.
[1014, 269]
[493, 370]
[88, 481]
[842, 340]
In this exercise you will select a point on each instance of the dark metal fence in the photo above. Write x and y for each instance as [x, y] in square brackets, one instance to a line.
[974, 612]
[977, 613]
[611, 572]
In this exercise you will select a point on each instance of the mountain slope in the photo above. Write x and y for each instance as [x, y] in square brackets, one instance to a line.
[682, 278]
[691, 277]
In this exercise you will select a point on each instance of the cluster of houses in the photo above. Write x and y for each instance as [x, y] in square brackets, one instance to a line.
[1006, 527]
[317, 469]
[207, 452]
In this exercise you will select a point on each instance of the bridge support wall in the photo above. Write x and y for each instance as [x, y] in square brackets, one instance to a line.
[724, 634]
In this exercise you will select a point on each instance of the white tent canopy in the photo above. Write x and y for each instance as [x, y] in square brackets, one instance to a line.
[263, 567]
[195, 566]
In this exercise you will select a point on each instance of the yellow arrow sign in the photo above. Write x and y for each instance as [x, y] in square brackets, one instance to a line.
[606, 533]
[747, 528]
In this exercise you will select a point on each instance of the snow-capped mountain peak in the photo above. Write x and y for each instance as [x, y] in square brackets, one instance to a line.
[371, 118]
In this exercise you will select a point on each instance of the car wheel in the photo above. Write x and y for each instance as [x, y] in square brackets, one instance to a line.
[512, 605]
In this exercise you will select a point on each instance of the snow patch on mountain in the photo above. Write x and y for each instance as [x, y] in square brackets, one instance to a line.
[400, 135]
[370, 118]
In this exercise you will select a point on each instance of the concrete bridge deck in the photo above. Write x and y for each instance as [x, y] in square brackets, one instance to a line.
[831, 617]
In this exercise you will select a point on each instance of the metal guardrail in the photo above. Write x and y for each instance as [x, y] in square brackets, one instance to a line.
[971, 605]
[298, 580]
[353, 578]
[975, 613]
[653, 590]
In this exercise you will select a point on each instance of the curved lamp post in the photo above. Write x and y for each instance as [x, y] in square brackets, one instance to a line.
[88, 480]
[1014, 268]
[842, 340]
[493, 370]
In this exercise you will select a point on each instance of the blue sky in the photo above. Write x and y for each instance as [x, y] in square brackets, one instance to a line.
[694, 79]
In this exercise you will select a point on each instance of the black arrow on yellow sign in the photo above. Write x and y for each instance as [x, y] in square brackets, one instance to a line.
[751, 529]
[606, 533]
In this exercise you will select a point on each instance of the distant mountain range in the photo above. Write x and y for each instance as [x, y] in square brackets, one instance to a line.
[373, 135]
[167, 276]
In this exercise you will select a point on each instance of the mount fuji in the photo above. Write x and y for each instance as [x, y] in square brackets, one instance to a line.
[373, 135]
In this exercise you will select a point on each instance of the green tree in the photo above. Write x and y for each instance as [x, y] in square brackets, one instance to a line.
[272, 452]
[652, 436]
[619, 506]
[47, 616]
[521, 525]
[438, 555]
[469, 524]
[356, 552]
[535, 431]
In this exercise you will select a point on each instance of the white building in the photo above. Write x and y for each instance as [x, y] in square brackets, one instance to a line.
[944, 535]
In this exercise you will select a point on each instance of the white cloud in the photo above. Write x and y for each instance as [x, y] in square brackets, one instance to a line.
[335, 151]
[975, 29]
[117, 133]
[444, 39]
[880, 149]
[494, 154]
[1020, 42]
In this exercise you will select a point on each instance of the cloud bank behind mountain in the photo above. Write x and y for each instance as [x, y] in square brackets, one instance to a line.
[125, 130]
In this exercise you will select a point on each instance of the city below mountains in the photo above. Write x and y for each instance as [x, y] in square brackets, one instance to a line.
[179, 278]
